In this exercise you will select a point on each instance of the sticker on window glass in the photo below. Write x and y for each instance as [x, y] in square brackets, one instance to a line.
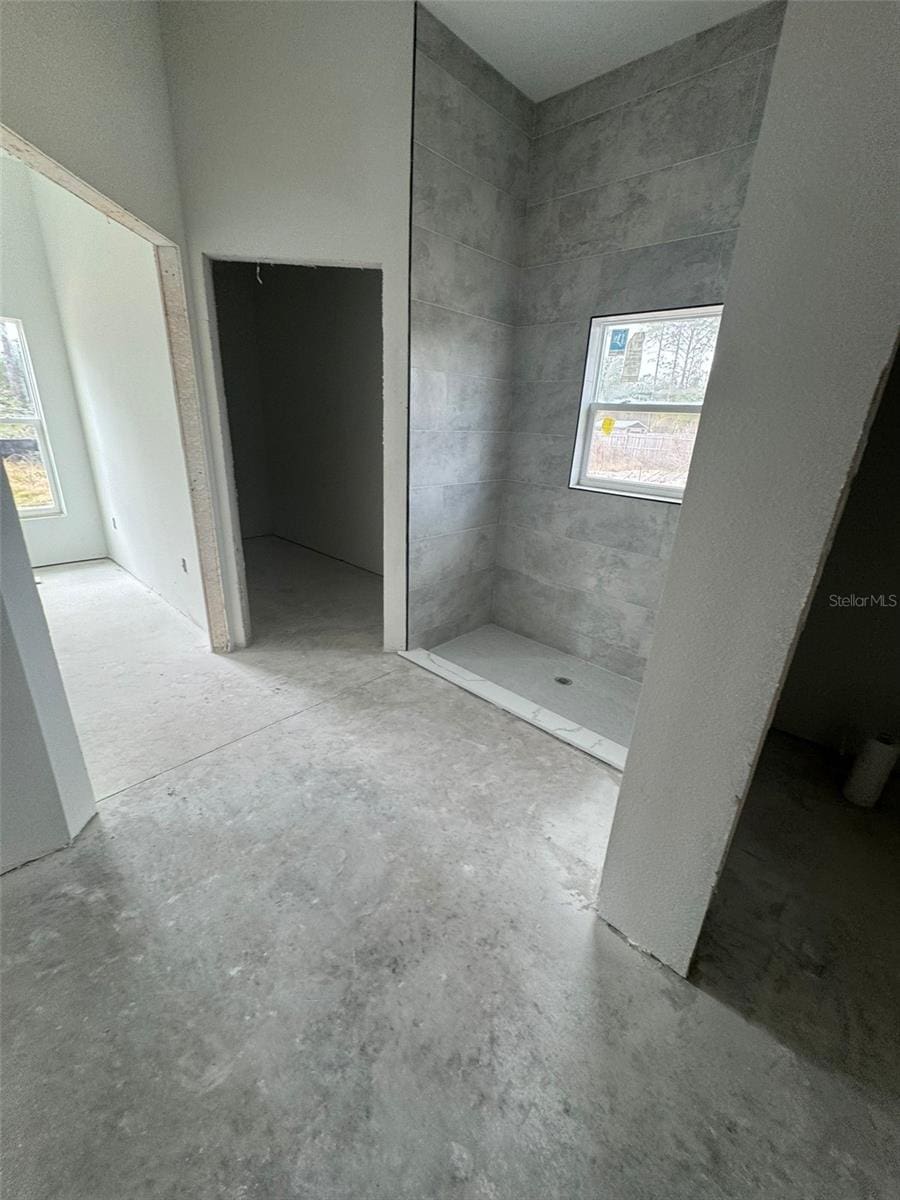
[618, 340]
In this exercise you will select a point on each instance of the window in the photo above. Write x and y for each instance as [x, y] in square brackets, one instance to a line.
[24, 447]
[644, 382]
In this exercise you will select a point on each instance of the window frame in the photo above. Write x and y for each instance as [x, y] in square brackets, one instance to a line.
[38, 421]
[579, 479]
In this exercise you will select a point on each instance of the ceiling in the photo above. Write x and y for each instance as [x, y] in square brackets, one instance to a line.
[548, 46]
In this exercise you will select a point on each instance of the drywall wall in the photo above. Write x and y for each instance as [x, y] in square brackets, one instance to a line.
[293, 131]
[844, 681]
[319, 333]
[235, 287]
[116, 133]
[636, 187]
[26, 292]
[786, 414]
[302, 368]
[44, 786]
[108, 294]
[470, 159]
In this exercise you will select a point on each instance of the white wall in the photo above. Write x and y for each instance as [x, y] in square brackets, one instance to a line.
[293, 132]
[44, 786]
[107, 291]
[808, 328]
[84, 81]
[26, 292]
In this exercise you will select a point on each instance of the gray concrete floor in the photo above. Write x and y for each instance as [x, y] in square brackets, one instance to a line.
[352, 955]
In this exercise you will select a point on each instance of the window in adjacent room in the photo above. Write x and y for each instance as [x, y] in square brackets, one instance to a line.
[644, 382]
[24, 446]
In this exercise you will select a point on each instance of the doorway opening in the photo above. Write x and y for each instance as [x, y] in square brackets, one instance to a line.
[100, 442]
[300, 354]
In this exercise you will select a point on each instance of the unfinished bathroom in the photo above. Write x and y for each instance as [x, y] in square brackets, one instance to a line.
[569, 263]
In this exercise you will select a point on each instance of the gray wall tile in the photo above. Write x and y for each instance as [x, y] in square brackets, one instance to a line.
[579, 156]
[619, 522]
[458, 277]
[635, 578]
[617, 215]
[444, 47]
[551, 352]
[707, 194]
[462, 402]
[767, 61]
[710, 112]
[742, 34]
[450, 555]
[454, 202]
[520, 598]
[547, 407]
[453, 122]
[442, 340]
[448, 508]
[439, 612]
[668, 275]
[634, 191]
[539, 458]
[441, 457]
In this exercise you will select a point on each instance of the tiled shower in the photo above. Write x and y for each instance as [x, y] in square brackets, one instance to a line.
[622, 195]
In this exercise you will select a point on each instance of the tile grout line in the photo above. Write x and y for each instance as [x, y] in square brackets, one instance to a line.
[466, 245]
[542, 202]
[691, 237]
[472, 174]
[475, 317]
[481, 100]
[643, 95]
[241, 737]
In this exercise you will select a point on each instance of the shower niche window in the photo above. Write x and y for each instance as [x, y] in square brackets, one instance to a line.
[644, 382]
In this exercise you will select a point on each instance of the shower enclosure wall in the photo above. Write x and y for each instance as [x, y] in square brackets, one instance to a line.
[622, 195]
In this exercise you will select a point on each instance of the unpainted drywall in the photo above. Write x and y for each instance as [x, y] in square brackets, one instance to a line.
[84, 81]
[798, 363]
[235, 287]
[107, 289]
[844, 681]
[292, 125]
[26, 292]
[45, 793]
[304, 393]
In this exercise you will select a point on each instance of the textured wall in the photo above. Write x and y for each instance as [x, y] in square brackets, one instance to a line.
[637, 180]
[470, 177]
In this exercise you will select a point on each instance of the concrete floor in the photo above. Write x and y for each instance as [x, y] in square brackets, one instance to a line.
[147, 695]
[352, 955]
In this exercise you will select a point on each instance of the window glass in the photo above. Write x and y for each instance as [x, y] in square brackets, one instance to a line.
[24, 447]
[645, 379]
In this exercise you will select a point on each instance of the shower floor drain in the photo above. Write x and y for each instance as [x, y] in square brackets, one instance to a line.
[563, 679]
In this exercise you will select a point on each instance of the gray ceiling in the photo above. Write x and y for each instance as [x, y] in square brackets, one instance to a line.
[547, 46]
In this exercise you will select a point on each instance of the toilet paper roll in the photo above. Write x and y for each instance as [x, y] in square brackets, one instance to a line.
[870, 772]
